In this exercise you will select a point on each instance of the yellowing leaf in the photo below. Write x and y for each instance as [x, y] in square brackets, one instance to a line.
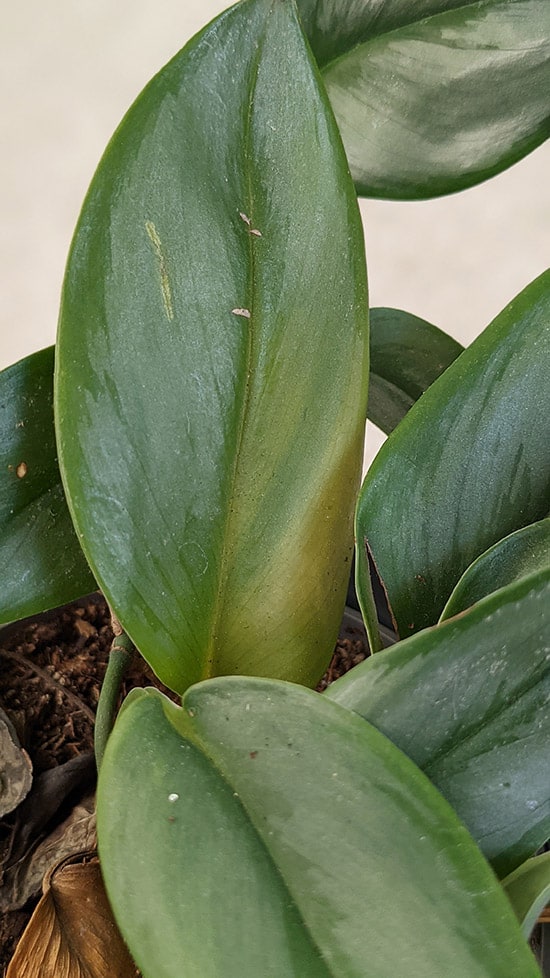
[235, 488]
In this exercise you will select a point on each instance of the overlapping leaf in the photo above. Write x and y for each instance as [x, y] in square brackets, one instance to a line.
[42, 565]
[469, 464]
[436, 95]
[469, 702]
[283, 836]
[520, 554]
[213, 360]
[406, 355]
[528, 889]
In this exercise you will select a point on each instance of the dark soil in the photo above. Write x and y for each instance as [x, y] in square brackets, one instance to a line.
[51, 669]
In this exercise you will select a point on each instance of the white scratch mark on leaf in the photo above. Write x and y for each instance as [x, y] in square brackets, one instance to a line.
[164, 280]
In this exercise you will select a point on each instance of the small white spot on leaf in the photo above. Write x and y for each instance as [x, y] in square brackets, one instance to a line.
[241, 312]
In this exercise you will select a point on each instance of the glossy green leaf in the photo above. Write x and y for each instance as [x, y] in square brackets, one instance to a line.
[213, 360]
[282, 836]
[406, 355]
[432, 96]
[469, 703]
[528, 889]
[42, 563]
[520, 554]
[469, 464]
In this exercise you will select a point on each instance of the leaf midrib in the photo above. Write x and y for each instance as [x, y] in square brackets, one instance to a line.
[208, 668]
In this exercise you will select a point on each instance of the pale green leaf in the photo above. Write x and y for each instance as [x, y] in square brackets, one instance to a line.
[528, 889]
[281, 836]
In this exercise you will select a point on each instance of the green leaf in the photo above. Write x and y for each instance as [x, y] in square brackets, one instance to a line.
[42, 563]
[520, 554]
[281, 836]
[436, 95]
[468, 702]
[213, 360]
[528, 889]
[469, 464]
[406, 355]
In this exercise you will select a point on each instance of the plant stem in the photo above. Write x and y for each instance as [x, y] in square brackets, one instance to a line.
[120, 657]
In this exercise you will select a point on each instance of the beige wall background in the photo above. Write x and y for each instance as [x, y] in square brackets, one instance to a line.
[69, 69]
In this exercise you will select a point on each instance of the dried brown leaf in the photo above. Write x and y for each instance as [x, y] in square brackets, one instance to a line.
[15, 768]
[72, 933]
[23, 879]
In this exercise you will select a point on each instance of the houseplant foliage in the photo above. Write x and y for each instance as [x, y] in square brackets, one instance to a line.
[406, 355]
[200, 571]
[32, 501]
[528, 888]
[242, 796]
[479, 461]
[210, 398]
[488, 709]
[433, 96]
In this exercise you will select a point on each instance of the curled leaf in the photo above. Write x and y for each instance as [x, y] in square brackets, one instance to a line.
[22, 879]
[528, 889]
[518, 555]
[72, 933]
[406, 355]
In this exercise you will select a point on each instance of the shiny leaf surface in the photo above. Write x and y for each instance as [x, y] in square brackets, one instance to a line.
[406, 355]
[272, 819]
[213, 360]
[433, 96]
[528, 889]
[469, 464]
[520, 554]
[468, 701]
[42, 563]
